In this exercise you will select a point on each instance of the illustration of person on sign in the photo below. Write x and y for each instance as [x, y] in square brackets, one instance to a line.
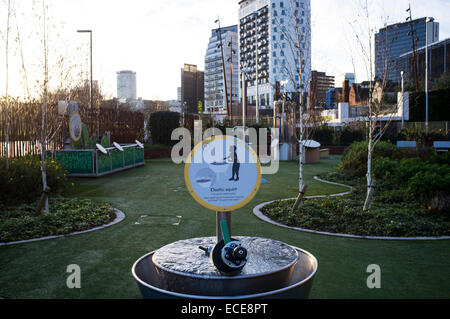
[236, 165]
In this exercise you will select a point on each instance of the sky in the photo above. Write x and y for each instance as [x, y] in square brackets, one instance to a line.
[155, 38]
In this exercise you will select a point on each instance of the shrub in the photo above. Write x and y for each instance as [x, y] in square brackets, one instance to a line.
[421, 178]
[349, 135]
[383, 167]
[355, 158]
[422, 138]
[162, 125]
[430, 180]
[324, 135]
[22, 182]
[66, 216]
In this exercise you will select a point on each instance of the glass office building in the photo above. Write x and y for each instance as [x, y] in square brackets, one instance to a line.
[394, 40]
[438, 61]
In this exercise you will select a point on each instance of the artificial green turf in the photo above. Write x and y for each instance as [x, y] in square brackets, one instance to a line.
[412, 269]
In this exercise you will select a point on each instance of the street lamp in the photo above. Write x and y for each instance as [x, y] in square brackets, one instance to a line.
[426, 72]
[91, 90]
[255, 13]
[244, 73]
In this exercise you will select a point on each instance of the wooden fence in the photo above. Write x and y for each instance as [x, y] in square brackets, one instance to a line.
[25, 121]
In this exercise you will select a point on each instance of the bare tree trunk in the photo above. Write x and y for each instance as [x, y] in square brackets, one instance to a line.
[368, 201]
[44, 110]
[7, 88]
[301, 148]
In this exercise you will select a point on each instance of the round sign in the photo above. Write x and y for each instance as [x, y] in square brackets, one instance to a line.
[223, 173]
[75, 127]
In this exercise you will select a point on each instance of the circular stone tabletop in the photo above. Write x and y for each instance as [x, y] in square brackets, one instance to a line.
[185, 256]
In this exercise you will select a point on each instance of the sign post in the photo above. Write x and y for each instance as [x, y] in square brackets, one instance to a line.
[223, 174]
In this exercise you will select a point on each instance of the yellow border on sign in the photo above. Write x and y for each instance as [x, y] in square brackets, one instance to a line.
[220, 208]
[81, 128]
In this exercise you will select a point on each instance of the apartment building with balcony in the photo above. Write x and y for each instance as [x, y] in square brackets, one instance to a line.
[215, 98]
[269, 51]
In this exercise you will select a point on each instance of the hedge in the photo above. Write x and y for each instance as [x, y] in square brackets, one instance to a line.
[162, 125]
[439, 104]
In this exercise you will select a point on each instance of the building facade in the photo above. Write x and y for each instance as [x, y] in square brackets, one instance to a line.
[126, 86]
[320, 83]
[192, 88]
[438, 61]
[269, 50]
[215, 99]
[394, 40]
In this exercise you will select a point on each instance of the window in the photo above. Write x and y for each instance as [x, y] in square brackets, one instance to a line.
[283, 12]
[281, 4]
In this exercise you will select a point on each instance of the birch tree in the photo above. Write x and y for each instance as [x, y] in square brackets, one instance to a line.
[296, 33]
[365, 38]
[6, 110]
[44, 110]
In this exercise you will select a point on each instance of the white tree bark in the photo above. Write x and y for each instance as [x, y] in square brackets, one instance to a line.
[44, 110]
[368, 201]
[7, 87]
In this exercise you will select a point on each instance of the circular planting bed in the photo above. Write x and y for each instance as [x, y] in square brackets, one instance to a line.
[394, 214]
[67, 216]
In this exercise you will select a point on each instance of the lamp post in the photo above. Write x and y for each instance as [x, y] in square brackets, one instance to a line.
[426, 72]
[219, 31]
[257, 66]
[244, 75]
[91, 89]
[402, 73]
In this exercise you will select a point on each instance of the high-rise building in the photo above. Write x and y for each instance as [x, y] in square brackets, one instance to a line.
[350, 77]
[215, 99]
[320, 83]
[179, 94]
[192, 88]
[394, 40]
[269, 50]
[126, 86]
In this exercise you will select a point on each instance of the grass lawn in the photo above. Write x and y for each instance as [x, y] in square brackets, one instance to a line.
[409, 269]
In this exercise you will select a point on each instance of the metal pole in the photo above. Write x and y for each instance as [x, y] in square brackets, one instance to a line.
[224, 71]
[244, 98]
[221, 216]
[231, 80]
[403, 99]
[426, 78]
[257, 68]
[92, 83]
